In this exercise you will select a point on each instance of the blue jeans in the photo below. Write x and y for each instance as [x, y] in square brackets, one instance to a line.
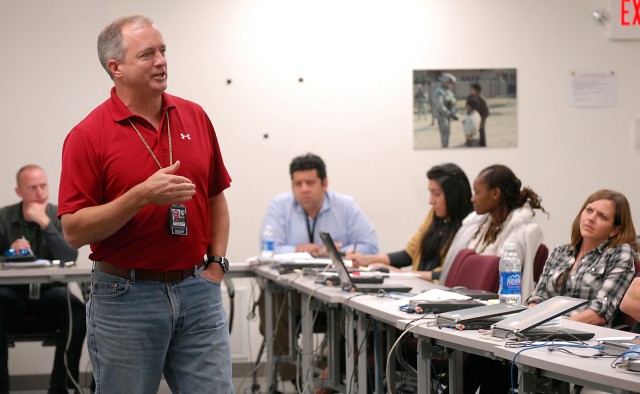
[136, 331]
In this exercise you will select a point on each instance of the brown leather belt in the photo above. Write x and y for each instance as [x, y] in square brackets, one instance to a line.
[140, 274]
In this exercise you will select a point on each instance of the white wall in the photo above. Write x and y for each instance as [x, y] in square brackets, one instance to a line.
[354, 107]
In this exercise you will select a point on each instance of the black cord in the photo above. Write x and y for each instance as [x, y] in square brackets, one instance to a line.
[231, 291]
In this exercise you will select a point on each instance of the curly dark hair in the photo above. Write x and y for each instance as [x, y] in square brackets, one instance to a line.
[513, 195]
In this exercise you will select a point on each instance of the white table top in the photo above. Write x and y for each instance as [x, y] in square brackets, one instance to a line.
[13, 276]
[596, 373]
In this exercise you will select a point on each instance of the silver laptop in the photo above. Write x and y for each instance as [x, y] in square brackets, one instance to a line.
[617, 347]
[523, 325]
[481, 317]
[346, 281]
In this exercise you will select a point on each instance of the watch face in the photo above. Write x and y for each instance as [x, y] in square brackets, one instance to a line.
[224, 263]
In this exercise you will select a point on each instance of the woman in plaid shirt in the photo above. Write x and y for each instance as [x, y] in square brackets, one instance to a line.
[598, 264]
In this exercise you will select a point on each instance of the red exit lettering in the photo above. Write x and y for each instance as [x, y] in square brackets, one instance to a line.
[624, 12]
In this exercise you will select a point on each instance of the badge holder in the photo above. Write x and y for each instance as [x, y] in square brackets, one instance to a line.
[178, 219]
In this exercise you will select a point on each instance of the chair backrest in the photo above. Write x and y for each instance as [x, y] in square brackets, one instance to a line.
[454, 271]
[28, 328]
[474, 271]
[539, 260]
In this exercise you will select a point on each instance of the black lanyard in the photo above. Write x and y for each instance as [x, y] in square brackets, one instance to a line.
[311, 230]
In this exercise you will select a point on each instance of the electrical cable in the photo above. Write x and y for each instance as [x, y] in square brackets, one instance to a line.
[550, 347]
[76, 385]
[231, 292]
[408, 329]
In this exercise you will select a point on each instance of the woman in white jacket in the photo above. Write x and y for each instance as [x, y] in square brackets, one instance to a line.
[503, 212]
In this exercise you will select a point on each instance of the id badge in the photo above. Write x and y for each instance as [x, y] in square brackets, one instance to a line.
[178, 219]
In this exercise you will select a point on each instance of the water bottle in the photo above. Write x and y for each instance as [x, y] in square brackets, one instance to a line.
[267, 243]
[510, 270]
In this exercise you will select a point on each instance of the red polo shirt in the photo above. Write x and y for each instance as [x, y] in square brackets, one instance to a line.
[103, 157]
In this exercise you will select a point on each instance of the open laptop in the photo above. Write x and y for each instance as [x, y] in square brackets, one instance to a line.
[481, 317]
[14, 256]
[525, 325]
[346, 281]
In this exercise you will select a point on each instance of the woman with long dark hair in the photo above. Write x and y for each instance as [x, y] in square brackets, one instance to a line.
[450, 199]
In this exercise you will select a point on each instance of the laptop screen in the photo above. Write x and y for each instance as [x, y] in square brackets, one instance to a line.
[334, 254]
[541, 313]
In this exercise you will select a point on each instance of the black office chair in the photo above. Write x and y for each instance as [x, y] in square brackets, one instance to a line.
[27, 328]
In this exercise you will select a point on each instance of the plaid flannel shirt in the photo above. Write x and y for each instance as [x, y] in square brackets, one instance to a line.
[602, 277]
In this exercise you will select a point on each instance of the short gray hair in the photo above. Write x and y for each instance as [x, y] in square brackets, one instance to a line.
[27, 167]
[111, 45]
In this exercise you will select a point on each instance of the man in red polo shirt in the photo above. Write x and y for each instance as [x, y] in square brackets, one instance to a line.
[156, 304]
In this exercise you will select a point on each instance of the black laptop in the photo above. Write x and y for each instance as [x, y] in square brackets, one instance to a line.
[287, 266]
[476, 294]
[21, 256]
[346, 281]
[481, 317]
[333, 278]
[527, 325]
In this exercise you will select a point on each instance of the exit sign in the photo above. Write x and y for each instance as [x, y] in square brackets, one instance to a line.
[625, 19]
[629, 12]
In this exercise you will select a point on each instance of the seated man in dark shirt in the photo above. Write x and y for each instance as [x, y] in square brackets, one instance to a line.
[32, 224]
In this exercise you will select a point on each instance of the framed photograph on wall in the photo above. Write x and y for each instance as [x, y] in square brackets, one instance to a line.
[465, 108]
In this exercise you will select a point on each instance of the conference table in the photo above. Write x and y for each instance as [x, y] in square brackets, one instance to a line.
[542, 369]
[313, 299]
[337, 304]
[50, 274]
[379, 315]
[365, 314]
[74, 273]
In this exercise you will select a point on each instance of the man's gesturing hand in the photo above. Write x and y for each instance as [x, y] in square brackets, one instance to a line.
[163, 187]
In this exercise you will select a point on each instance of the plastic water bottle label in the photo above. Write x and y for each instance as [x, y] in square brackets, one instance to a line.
[510, 283]
[267, 249]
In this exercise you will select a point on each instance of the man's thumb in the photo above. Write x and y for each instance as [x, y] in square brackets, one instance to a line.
[172, 168]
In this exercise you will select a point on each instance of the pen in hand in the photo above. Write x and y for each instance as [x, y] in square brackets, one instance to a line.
[29, 247]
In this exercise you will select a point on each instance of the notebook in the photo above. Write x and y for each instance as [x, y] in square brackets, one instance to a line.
[481, 317]
[346, 282]
[525, 325]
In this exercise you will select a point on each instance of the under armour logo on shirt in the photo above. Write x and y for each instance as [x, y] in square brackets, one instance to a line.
[185, 136]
